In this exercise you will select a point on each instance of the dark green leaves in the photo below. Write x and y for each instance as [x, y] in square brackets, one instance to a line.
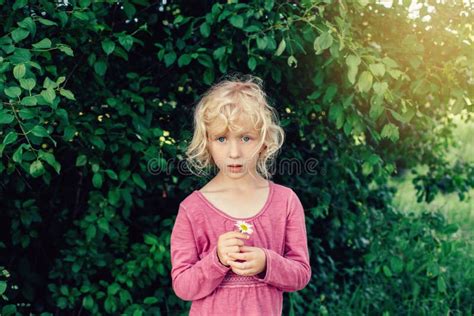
[43, 44]
[108, 46]
[205, 29]
[12, 92]
[237, 21]
[323, 42]
[19, 34]
[36, 168]
[390, 131]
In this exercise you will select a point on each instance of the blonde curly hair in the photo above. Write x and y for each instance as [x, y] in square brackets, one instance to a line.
[226, 101]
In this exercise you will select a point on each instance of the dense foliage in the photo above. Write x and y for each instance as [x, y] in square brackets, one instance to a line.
[95, 118]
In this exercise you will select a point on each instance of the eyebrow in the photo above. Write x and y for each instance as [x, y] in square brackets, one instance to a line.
[241, 134]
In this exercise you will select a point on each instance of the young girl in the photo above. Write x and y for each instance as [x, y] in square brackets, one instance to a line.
[240, 241]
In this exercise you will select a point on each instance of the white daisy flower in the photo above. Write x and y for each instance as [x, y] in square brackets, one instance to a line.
[244, 227]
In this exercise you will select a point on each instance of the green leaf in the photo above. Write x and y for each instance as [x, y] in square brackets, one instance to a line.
[28, 24]
[69, 133]
[237, 21]
[390, 131]
[353, 62]
[29, 101]
[292, 61]
[100, 67]
[262, 42]
[219, 53]
[9, 310]
[112, 175]
[26, 114]
[380, 88]
[126, 41]
[269, 5]
[90, 232]
[97, 180]
[170, 58]
[19, 4]
[113, 289]
[150, 300]
[432, 270]
[113, 196]
[12, 92]
[367, 168]
[3, 287]
[19, 71]
[67, 93]
[40, 131]
[208, 76]
[28, 84]
[376, 107]
[129, 9]
[365, 81]
[252, 63]
[88, 302]
[43, 44]
[48, 95]
[6, 118]
[66, 49]
[138, 181]
[108, 46]
[441, 284]
[281, 48]
[377, 69]
[322, 42]
[396, 264]
[36, 168]
[184, 60]
[103, 225]
[10, 138]
[18, 154]
[205, 60]
[205, 29]
[81, 160]
[51, 160]
[19, 34]
[386, 271]
[80, 16]
[46, 22]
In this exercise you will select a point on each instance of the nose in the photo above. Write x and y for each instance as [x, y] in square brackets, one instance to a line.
[234, 149]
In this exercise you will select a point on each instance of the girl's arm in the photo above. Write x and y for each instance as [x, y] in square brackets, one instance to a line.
[291, 272]
[192, 279]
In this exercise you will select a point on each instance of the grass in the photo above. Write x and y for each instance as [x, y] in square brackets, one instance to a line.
[454, 210]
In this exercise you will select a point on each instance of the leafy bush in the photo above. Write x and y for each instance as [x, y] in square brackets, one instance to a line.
[92, 129]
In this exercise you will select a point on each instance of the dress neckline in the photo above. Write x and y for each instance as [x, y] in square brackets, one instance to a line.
[221, 212]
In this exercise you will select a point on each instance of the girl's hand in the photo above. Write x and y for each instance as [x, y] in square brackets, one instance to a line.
[255, 261]
[228, 243]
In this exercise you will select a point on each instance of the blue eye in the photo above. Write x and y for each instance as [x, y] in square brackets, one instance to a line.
[247, 137]
[220, 138]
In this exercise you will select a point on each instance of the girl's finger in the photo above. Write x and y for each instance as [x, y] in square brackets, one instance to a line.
[237, 265]
[236, 255]
[247, 248]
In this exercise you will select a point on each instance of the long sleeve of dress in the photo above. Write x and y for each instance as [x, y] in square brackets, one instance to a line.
[192, 279]
[291, 272]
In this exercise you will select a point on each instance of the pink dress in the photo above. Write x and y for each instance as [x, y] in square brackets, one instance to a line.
[214, 289]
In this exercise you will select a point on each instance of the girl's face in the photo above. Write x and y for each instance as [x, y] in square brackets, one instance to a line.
[235, 153]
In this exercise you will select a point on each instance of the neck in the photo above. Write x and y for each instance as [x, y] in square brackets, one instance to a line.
[247, 182]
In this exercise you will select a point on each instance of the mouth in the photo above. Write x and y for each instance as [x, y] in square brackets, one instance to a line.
[235, 168]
